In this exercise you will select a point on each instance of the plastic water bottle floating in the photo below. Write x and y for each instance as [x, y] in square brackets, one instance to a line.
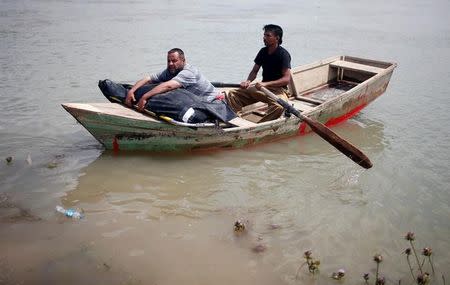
[71, 213]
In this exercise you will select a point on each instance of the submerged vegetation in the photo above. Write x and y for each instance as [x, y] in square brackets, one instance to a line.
[420, 275]
[313, 264]
[420, 269]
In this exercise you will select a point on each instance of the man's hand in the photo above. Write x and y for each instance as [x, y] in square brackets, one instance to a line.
[141, 104]
[129, 100]
[245, 84]
[259, 85]
[221, 96]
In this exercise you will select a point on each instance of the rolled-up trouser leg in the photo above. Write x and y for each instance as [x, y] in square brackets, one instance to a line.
[238, 98]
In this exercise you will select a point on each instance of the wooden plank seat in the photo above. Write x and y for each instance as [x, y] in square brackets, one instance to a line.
[253, 113]
[240, 122]
[356, 66]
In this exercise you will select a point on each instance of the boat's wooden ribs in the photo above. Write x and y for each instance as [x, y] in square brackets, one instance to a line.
[356, 66]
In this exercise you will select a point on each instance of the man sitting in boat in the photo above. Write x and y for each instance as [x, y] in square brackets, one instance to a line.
[276, 64]
[178, 74]
[180, 92]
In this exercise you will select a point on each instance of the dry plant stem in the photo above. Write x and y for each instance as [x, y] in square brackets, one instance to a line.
[443, 279]
[298, 270]
[431, 264]
[410, 268]
[376, 274]
[423, 262]
[415, 254]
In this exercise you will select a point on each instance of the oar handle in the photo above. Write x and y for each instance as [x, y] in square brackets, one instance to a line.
[224, 84]
[323, 131]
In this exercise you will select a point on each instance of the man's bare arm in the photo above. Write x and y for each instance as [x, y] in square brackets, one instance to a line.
[130, 94]
[251, 76]
[283, 81]
[161, 88]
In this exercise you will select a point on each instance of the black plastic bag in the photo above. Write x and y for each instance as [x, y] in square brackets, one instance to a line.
[179, 104]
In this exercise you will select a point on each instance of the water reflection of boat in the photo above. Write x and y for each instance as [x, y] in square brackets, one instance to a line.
[191, 184]
[147, 183]
[330, 91]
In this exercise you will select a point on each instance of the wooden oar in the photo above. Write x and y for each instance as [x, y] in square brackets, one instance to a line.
[342, 145]
[224, 84]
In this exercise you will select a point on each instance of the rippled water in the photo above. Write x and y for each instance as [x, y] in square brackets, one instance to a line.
[165, 220]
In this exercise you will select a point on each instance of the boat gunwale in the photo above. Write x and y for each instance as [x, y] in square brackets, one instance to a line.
[260, 126]
[280, 127]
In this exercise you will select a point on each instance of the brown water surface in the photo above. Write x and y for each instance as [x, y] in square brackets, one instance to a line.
[152, 219]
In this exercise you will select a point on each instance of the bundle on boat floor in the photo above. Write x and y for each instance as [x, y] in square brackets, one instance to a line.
[179, 104]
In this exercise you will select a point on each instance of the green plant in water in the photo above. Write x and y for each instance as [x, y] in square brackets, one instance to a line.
[239, 226]
[422, 276]
[313, 265]
[378, 258]
[338, 275]
[366, 277]
[379, 280]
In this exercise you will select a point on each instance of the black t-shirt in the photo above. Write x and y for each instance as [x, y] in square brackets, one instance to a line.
[273, 64]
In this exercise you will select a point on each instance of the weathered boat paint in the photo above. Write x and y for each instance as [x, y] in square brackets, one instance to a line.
[345, 117]
[119, 128]
[302, 129]
[115, 145]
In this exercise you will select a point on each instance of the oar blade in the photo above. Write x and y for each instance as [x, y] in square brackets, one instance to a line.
[339, 143]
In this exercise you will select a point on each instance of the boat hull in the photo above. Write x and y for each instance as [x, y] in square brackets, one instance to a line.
[120, 128]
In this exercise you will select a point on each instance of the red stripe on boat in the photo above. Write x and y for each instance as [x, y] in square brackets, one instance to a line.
[115, 145]
[302, 128]
[335, 121]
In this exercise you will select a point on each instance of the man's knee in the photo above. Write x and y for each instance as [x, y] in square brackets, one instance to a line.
[278, 110]
[232, 100]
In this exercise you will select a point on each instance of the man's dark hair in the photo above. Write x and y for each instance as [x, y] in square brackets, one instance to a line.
[277, 30]
[178, 50]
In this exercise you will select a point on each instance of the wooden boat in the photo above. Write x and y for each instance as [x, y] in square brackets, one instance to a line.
[329, 91]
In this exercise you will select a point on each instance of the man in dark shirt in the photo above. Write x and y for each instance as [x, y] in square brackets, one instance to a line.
[276, 64]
